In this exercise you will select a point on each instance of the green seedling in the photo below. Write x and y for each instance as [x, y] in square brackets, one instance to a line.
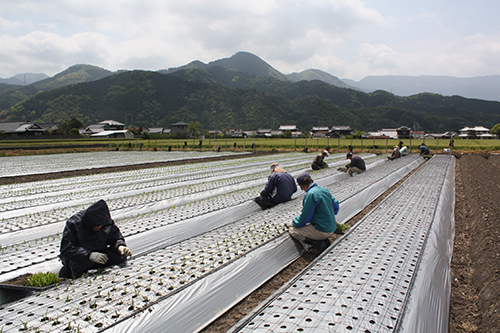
[42, 279]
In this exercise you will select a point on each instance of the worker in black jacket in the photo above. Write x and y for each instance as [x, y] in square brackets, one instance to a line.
[91, 240]
[357, 164]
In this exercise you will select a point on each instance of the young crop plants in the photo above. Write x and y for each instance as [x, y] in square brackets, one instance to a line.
[42, 279]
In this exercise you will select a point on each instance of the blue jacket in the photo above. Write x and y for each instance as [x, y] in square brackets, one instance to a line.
[319, 209]
[283, 183]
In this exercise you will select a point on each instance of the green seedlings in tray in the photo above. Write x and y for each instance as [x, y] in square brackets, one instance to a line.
[42, 279]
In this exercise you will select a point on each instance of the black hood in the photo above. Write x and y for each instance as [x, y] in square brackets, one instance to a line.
[96, 215]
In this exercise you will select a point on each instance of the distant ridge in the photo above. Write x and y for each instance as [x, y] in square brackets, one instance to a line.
[479, 87]
[25, 78]
[251, 64]
[316, 74]
[75, 74]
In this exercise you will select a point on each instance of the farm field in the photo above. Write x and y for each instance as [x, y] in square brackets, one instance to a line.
[380, 146]
[189, 228]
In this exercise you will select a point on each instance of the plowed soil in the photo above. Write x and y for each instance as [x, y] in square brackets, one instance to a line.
[475, 299]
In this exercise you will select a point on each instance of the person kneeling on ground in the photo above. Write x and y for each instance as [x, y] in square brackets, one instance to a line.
[282, 182]
[357, 164]
[395, 154]
[318, 162]
[404, 151]
[316, 223]
[91, 240]
[424, 151]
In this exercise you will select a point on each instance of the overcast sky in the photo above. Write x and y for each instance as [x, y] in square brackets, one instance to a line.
[346, 38]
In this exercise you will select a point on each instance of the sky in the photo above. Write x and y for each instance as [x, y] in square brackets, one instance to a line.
[346, 38]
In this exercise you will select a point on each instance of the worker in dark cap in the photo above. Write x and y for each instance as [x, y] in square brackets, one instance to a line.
[357, 164]
[316, 223]
[279, 188]
[91, 240]
[319, 161]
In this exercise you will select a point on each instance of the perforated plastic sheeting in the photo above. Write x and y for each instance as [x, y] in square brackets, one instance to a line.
[428, 307]
[367, 280]
[39, 164]
[193, 308]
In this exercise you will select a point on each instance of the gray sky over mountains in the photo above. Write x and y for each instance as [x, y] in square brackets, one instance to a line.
[346, 38]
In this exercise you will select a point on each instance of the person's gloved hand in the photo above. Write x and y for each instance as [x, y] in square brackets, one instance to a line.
[98, 258]
[124, 251]
[289, 224]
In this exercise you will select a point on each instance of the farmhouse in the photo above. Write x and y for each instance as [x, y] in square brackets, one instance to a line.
[478, 132]
[106, 125]
[180, 128]
[340, 131]
[22, 128]
[320, 132]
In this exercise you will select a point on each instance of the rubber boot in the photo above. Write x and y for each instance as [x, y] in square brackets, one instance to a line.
[312, 242]
[320, 246]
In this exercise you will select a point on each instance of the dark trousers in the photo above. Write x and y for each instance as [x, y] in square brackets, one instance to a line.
[265, 202]
[78, 268]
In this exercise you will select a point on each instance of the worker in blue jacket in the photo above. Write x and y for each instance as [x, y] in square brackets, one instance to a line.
[316, 223]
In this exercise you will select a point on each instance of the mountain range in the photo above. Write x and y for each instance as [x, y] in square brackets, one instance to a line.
[245, 91]
[480, 87]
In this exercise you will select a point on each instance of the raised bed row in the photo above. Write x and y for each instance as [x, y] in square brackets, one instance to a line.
[253, 230]
[39, 164]
[20, 254]
[375, 278]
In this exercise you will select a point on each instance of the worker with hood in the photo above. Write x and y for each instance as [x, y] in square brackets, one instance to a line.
[91, 240]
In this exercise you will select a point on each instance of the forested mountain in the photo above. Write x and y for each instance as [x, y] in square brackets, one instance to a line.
[246, 101]
[12, 94]
[316, 74]
[240, 62]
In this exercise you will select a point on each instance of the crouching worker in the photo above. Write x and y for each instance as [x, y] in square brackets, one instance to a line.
[91, 240]
[279, 182]
[316, 223]
[357, 164]
[319, 161]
